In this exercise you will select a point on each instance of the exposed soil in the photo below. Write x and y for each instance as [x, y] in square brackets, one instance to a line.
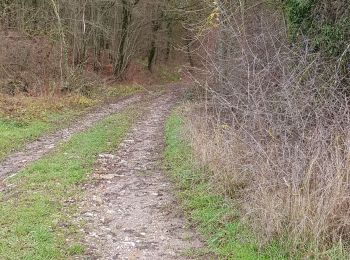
[129, 209]
[35, 150]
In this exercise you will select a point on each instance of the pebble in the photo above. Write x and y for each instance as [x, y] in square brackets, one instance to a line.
[108, 156]
[89, 214]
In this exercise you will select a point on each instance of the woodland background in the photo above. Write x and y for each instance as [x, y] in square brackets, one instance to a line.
[270, 115]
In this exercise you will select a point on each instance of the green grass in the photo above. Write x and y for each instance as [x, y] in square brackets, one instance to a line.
[15, 133]
[216, 219]
[36, 214]
[38, 118]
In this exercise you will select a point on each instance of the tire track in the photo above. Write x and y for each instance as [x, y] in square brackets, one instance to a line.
[129, 210]
[43, 145]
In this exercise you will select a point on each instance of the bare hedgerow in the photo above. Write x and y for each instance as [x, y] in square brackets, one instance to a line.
[277, 132]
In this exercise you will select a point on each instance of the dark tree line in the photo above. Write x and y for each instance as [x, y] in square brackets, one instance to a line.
[93, 31]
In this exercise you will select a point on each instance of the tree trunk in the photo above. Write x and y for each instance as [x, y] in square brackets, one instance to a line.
[119, 66]
[152, 52]
[63, 51]
[169, 40]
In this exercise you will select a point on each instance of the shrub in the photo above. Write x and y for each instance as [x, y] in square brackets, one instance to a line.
[277, 137]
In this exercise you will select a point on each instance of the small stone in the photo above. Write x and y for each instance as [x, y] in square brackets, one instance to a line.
[132, 244]
[89, 214]
[123, 162]
[93, 234]
[98, 199]
[106, 177]
[112, 212]
[108, 156]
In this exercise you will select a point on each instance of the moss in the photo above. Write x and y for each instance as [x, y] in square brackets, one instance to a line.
[325, 30]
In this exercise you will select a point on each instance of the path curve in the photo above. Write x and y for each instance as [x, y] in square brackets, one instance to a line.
[129, 211]
[35, 150]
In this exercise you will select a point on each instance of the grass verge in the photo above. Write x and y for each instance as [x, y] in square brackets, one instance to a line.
[15, 133]
[24, 119]
[217, 220]
[36, 212]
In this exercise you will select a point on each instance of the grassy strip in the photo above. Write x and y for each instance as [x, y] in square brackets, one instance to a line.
[216, 219]
[30, 118]
[36, 214]
[14, 134]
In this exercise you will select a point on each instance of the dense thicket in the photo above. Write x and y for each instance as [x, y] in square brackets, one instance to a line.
[99, 35]
[323, 25]
[280, 141]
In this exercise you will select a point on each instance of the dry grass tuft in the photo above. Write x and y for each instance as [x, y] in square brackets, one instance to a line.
[275, 133]
[300, 199]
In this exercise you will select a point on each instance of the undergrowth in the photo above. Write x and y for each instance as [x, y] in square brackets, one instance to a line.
[216, 218]
[273, 123]
[322, 25]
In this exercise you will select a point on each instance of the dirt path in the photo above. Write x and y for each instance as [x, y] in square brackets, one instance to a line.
[130, 211]
[35, 150]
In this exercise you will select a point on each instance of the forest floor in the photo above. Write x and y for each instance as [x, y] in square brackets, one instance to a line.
[97, 189]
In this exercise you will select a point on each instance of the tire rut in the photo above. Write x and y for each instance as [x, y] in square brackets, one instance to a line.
[129, 209]
[43, 145]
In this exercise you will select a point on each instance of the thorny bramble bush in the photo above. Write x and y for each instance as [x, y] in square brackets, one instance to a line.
[278, 132]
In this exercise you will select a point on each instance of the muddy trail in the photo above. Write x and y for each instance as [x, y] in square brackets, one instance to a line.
[130, 211]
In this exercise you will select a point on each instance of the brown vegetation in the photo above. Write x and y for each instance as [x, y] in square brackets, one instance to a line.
[273, 124]
[274, 131]
[61, 46]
